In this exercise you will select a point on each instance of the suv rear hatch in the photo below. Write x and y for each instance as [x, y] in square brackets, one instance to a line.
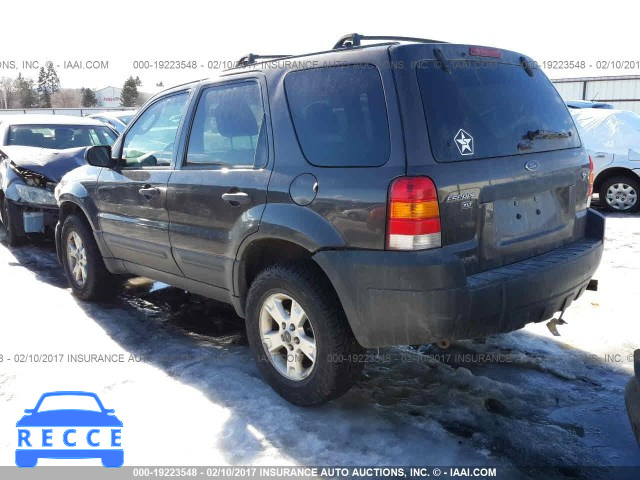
[491, 131]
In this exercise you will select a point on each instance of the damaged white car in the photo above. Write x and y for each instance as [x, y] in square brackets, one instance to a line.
[36, 151]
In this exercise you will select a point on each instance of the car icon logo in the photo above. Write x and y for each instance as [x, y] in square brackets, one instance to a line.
[69, 425]
[532, 165]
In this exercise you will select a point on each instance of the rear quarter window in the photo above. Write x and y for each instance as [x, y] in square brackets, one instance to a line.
[339, 115]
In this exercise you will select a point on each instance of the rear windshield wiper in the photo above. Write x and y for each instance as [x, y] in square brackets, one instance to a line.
[533, 134]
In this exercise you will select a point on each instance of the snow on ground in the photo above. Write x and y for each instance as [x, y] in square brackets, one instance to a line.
[188, 392]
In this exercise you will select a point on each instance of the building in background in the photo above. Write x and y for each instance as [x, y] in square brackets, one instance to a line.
[109, 97]
[622, 92]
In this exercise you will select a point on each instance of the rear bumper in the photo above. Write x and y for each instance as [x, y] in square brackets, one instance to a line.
[400, 298]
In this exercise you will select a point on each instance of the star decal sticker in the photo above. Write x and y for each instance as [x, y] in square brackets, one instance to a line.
[464, 142]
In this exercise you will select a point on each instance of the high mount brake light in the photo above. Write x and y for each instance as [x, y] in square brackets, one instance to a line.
[484, 52]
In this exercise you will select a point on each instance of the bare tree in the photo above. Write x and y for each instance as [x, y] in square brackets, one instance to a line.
[66, 98]
[6, 91]
[142, 98]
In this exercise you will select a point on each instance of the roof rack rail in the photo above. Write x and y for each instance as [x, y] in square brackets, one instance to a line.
[354, 39]
[250, 58]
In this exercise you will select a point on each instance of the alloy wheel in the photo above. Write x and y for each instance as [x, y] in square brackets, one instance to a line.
[287, 336]
[77, 258]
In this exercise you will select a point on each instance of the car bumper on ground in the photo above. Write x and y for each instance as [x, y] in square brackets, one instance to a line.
[632, 397]
[401, 298]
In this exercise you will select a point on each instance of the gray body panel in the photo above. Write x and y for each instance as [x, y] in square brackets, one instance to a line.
[190, 237]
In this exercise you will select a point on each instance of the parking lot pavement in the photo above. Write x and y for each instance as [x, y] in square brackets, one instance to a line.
[177, 370]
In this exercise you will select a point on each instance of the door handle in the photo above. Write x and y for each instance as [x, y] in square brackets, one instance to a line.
[148, 192]
[236, 199]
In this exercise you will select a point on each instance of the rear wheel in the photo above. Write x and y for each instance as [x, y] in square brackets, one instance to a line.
[620, 194]
[11, 219]
[88, 278]
[299, 334]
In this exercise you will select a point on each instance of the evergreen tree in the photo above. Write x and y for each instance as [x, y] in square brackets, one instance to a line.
[129, 95]
[138, 82]
[88, 97]
[48, 84]
[43, 90]
[52, 79]
[25, 91]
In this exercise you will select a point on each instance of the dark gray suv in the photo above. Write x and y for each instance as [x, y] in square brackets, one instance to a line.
[402, 192]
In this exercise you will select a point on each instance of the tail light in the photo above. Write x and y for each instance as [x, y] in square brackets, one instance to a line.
[591, 178]
[414, 215]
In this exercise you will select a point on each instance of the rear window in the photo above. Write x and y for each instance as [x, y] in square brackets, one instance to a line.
[340, 115]
[480, 110]
[60, 136]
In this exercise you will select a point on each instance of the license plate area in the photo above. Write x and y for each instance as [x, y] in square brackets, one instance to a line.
[521, 218]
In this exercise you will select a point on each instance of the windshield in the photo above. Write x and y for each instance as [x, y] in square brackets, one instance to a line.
[69, 402]
[60, 136]
[480, 110]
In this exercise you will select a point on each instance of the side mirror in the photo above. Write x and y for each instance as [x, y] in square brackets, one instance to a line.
[109, 411]
[29, 410]
[99, 156]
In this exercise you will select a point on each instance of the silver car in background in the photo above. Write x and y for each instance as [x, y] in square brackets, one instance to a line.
[612, 138]
[118, 120]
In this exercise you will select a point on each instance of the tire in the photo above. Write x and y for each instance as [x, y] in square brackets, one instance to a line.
[620, 194]
[337, 363]
[96, 283]
[11, 219]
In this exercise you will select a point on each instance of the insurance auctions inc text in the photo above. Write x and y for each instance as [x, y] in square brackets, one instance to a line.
[342, 472]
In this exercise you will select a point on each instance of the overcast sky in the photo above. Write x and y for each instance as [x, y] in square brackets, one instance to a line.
[122, 32]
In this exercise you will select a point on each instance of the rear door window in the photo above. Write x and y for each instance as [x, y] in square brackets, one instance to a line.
[478, 110]
[340, 115]
[229, 128]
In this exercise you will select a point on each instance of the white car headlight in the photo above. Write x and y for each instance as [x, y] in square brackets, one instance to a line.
[39, 196]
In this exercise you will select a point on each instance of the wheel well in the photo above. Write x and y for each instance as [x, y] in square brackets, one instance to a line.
[264, 253]
[67, 208]
[612, 172]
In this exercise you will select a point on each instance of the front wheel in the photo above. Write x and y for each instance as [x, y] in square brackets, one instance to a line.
[299, 334]
[86, 273]
[620, 194]
[12, 218]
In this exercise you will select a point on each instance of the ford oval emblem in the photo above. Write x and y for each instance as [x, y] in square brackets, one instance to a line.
[531, 165]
